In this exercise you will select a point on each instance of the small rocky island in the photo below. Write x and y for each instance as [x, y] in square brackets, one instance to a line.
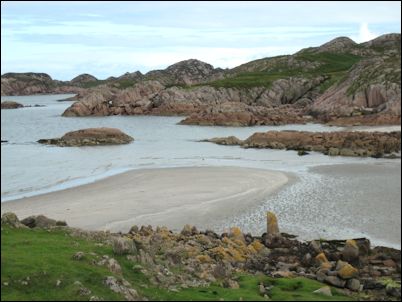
[11, 105]
[358, 143]
[90, 137]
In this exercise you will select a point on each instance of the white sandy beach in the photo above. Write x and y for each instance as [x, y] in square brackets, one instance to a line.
[169, 197]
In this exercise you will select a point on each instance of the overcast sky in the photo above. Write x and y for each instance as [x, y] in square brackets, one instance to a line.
[105, 39]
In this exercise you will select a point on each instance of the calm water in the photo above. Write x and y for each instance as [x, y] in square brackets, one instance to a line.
[29, 168]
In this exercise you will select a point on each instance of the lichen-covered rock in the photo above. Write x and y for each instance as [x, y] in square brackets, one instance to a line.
[347, 271]
[272, 224]
[90, 137]
[11, 220]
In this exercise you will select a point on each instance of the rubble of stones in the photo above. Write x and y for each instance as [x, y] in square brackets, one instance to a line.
[203, 257]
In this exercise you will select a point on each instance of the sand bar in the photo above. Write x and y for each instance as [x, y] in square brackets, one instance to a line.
[169, 197]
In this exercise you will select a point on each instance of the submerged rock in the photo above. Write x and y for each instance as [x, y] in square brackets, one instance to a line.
[90, 137]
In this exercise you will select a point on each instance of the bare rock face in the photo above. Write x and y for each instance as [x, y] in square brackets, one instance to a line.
[10, 105]
[375, 144]
[207, 105]
[371, 89]
[90, 137]
[186, 72]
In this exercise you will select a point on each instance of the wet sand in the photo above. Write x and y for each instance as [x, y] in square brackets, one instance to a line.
[364, 202]
[172, 197]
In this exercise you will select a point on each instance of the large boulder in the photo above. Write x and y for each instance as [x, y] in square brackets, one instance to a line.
[11, 220]
[90, 137]
[41, 221]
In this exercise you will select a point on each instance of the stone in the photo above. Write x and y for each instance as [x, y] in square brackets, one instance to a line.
[282, 274]
[321, 258]
[187, 230]
[40, 221]
[335, 281]
[302, 152]
[122, 287]
[58, 282]
[261, 289]
[350, 251]
[347, 272]
[229, 283]
[272, 224]
[353, 284]
[123, 246]
[78, 256]
[113, 266]
[11, 220]
[326, 291]
[315, 246]
[321, 275]
[83, 291]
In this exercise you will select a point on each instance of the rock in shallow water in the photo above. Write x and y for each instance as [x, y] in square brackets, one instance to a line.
[90, 137]
[11, 105]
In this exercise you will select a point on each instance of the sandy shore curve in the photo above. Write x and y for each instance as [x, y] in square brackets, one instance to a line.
[172, 197]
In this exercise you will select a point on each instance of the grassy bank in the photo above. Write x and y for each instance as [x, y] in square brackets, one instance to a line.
[34, 261]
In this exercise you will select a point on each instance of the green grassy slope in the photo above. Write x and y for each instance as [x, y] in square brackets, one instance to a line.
[335, 66]
[45, 256]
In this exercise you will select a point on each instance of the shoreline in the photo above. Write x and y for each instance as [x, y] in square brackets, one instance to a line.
[171, 197]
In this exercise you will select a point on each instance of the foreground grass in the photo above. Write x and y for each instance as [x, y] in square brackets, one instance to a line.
[42, 257]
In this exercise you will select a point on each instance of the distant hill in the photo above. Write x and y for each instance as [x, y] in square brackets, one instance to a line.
[340, 78]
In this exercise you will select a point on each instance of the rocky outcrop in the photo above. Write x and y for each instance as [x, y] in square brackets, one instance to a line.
[374, 144]
[371, 87]
[33, 83]
[83, 79]
[11, 220]
[90, 137]
[210, 105]
[10, 105]
[188, 72]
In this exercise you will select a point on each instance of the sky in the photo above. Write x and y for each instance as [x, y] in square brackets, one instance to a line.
[109, 38]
